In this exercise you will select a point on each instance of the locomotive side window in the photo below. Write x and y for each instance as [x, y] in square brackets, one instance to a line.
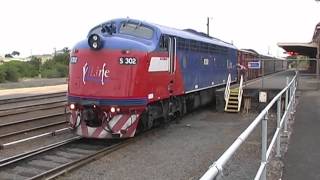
[102, 29]
[164, 43]
[137, 30]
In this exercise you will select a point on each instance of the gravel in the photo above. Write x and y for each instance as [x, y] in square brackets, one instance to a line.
[181, 151]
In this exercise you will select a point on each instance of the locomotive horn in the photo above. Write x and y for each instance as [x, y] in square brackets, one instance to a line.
[95, 42]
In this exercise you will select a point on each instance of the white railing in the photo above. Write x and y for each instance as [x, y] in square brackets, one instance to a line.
[227, 91]
[216, 168]
[240, 92]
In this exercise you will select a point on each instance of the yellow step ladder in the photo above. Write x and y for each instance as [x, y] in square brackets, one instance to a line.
[232, 105]
[233, 96]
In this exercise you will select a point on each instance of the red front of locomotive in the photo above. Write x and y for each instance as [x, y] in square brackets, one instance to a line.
[104, 92]
[107, 90]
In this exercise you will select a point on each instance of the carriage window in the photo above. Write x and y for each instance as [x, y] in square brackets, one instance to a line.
[137, 30]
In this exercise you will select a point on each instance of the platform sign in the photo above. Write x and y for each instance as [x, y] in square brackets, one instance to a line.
[262, 96]
[254, 65]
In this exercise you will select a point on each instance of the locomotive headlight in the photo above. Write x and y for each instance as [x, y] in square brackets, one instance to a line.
[72, 106]
[95, 45]
[95, 42]
[112, 109]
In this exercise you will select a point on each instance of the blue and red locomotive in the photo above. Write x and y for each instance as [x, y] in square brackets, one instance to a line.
[129, 76]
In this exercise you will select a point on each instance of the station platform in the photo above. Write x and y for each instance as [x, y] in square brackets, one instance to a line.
[32, 91]
[302, 160]
[275, 81]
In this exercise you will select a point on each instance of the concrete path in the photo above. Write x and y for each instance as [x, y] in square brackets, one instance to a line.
[302, 160]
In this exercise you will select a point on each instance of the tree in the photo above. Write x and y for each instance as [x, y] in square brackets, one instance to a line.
[8, 56]
[15, 53]
[66, 50]
[62, 58]
[36, 63]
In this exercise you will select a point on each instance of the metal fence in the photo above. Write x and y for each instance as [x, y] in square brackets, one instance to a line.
[215, 170]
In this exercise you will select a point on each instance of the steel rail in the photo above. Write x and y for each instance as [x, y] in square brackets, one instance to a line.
[52, 133]
[60, 170]
[19, 157]
[31, 119]
[31, 98]
[31, 105]
[26, 110]
[32, 129]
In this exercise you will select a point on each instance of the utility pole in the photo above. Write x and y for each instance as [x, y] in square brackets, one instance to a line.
[54, 51]
[208, 26]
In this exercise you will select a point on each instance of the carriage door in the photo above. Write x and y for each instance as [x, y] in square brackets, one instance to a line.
[172, 63]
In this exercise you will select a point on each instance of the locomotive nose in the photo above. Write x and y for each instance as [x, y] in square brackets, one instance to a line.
[95, 41]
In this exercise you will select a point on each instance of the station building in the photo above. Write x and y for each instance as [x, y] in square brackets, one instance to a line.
[311, 50]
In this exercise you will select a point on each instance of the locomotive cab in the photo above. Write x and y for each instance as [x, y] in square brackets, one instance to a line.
[107, 86]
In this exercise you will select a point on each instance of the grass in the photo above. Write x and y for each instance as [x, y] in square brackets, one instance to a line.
[32, 82]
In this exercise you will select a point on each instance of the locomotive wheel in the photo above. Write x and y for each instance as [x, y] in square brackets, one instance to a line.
[165, 111]
[146, 122]
[142, 126]
[150, 122]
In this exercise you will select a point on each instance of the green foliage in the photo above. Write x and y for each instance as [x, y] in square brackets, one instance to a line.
[2, 74]
[62, 58]
[52, 68]
[56, 67]
[24, 68]
[50, 73]
[9, 72]
[12, 74]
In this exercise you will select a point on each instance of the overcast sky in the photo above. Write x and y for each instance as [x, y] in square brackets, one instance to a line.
[39, 26]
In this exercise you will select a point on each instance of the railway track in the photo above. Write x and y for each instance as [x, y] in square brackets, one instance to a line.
[29, 116]
[21, 129]
[51, 161]
[31, 98]
[14, 133]
[32, 103]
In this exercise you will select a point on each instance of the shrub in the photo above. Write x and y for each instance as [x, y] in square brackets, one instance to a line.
[2, 74]
[62, 69]
[24, 69]
[49, 73]
[11, 73]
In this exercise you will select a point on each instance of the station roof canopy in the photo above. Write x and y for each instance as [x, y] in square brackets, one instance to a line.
[305, 49]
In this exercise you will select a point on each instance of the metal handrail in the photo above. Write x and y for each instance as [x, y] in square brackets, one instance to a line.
[227, 91]
[216, 168]
[240, 92]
